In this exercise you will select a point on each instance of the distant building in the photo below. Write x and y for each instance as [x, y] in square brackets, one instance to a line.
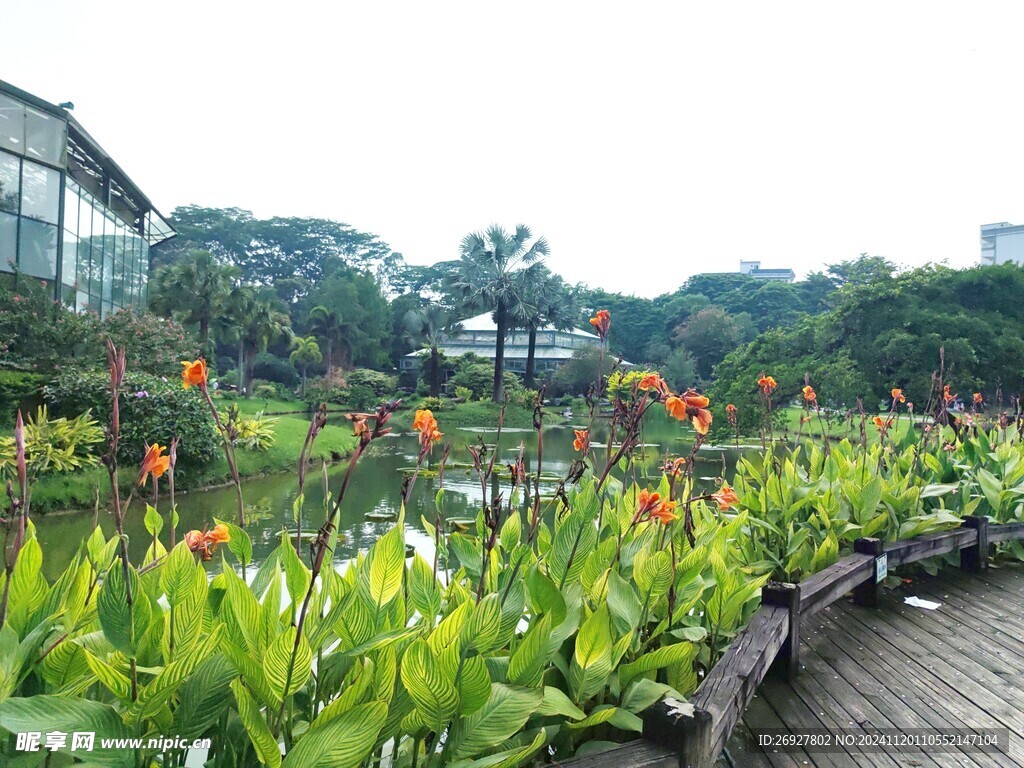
[68, 214]
[479, 335]
[1002, 243]
[753, 269]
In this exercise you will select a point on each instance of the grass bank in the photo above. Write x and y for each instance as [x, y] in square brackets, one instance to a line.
[77, 490]
[475, 414]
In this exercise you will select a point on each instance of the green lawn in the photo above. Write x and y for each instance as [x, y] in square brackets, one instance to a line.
[813, 428]
[77, 490]
[269, 406]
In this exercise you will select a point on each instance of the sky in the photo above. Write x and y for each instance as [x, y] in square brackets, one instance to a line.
[646, 141]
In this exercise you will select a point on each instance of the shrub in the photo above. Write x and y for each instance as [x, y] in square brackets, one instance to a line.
[53, 445]
[381, 384]
[256, 433]
[153, 410]
[431, 403]
[17, 387]
[478, 378]
[272, 368]
[464, 393]
[152, 344]
[266, 391]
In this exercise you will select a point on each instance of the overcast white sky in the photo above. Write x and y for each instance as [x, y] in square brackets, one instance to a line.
[646, 141]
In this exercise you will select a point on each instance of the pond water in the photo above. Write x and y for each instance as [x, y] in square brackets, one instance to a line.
[375, 491]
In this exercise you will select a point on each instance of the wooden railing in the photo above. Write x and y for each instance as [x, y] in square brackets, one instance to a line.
[694, 733]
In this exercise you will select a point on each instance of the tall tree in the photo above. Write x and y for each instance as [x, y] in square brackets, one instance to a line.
[265, 322]
[430, 328]
[193, 290]
[328, 326]
[487, 276]
[305, 350]
[545, 300]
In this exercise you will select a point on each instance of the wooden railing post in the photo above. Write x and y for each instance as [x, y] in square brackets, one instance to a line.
[869, 592]
[683, 728]
[975, 557]
[786, 596]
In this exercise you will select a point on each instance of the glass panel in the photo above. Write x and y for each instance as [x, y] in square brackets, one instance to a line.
[144, 275]
[45, 137]
[40, 192]
[10, 182]
[37, 249]
[117, 284]
[8, 239]
[84, 246]
[12, 124]
[81, 301]
[108, 260]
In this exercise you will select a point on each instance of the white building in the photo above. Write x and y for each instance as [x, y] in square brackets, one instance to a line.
[479, 334]
[753, 269]
[1001, 243]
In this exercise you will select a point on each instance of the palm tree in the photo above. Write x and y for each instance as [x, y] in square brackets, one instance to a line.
[193, 290]
[431, 328]
[547, 300]
[488, 275]
[328, 325]
[305, 350]
[265, 322]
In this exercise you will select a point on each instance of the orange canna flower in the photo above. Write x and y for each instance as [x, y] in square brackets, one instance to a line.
[946, 394]
[675, 466]
[690, 405]
[153, 463]
[767, 384]
[602, 321]
[978, 398]
[653, 381]
[647, 501]
[897, 395]
[205, 542]
[809, 394]
[731, 409]
[219, 535]
[194, 374]
[424, 420]
[882, 424]
[582, 441]
[725, 497]
[663, 512]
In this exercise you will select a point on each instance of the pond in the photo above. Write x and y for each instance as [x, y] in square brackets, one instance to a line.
[375, 491]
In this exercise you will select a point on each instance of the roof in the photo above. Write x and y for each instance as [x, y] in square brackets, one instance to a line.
[485, 322]
[78, 137]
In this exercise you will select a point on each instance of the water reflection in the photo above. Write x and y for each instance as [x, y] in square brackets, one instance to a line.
[376, 490]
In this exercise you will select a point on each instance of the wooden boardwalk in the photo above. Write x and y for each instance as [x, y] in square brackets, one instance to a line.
[901, 667]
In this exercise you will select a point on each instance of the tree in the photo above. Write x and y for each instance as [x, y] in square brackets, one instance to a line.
[193, 290]
[328, 326]
[265, 322]
[431, 328]
[305, 350]
[488, 276]
[709, 336]
[545, 299]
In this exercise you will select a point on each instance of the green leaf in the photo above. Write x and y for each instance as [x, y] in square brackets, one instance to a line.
[154, 523]
[240, 544]
[424, 591]
[278, 659]
[296, 575]
[203, 696]
[557, 703]
[387, 566]
[510, 758]
[680, 653]
[262, 739]
[344, 742]
[474, 685]
[45, 713]
[504, 714]
[177, 577]
[435, 697]
[623, 603]
[528, 661]
[123, 626]
[482, 627]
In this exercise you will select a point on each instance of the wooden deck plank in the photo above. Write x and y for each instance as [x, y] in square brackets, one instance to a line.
[961, 666]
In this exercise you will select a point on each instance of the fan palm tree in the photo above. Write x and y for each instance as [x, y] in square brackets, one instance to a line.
[194, 290]
[328, 325]
[546, 300]
[305, 350]
[431, 328]
[488, 276]
[265, 322]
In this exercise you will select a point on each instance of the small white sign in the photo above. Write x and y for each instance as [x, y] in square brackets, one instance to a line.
[917, 602]
[881, 568]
